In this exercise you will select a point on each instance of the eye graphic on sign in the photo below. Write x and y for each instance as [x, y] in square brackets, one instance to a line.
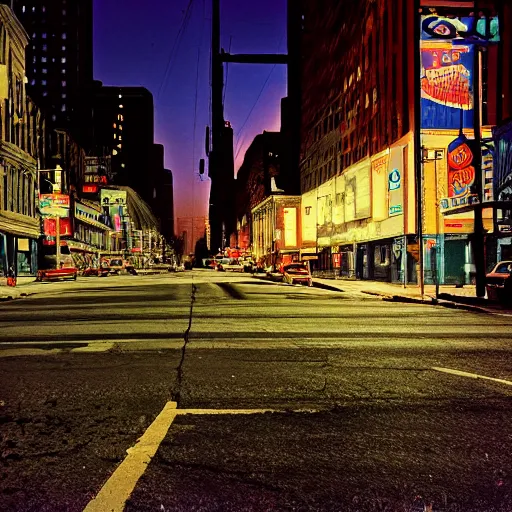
[394, 179]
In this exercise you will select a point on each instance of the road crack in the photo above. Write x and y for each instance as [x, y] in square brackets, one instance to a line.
[176, 395]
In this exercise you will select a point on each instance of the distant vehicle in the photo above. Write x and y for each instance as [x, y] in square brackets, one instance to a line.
[101, 270]
[297, 273]
[499, 282]
[116, 265]
[230, 265]
[48, 270]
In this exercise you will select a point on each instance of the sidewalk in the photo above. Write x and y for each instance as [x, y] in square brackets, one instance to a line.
[449, 296]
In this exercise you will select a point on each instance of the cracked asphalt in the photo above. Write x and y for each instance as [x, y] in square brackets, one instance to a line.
[362, 420]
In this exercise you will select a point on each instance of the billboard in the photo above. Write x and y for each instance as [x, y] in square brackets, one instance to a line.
[111, 197]
[447, 67]
[114, 201]
[446, 86]
[480, 30]
[54, 205]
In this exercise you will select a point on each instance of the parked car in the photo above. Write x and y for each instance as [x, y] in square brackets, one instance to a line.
[116, 265]
[48, 269]
[103, 270]
[230, 265]
[499, 282]
[297, 273]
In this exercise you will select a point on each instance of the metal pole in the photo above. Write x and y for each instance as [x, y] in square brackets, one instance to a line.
[417, 143]
[57, 240]
[478, 238]
[438, 246]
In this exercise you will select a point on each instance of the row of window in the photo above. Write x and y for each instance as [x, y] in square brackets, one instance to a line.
[45, 59]
[18, 191]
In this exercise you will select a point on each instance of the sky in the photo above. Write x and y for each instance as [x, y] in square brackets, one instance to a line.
[157, 45]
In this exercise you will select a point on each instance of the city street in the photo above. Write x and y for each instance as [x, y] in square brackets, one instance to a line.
[268, 397]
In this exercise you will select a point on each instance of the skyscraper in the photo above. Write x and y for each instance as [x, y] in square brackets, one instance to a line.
[59, 59]
[123, 128]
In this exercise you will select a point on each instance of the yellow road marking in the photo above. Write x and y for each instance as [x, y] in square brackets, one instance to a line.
[118, 488]
[471, 375]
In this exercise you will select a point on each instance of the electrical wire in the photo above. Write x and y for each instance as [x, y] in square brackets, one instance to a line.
[175, 46]
[256, 102]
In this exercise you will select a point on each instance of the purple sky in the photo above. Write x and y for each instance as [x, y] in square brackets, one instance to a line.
[132, 45]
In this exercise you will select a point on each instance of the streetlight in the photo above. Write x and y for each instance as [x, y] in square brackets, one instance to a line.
[433, 155]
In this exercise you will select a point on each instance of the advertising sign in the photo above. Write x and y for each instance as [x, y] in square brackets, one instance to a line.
[395, 192]
[54, 205]
[461, 30]
[290, 227]
[111, 197]
[50, 227]
[461, 173]
[446, 85]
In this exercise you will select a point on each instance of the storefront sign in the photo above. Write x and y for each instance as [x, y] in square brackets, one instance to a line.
[450, 203]
[54, 205]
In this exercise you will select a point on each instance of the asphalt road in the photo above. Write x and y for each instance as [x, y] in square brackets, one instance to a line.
[266, 397]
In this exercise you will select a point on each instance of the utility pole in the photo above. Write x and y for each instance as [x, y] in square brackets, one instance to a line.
[221, 165]
[418, 165]
[478, 237]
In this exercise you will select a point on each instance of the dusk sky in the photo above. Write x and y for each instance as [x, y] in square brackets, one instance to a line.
[133, 47]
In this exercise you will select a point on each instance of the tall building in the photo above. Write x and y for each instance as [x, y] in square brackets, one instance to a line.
[388, 110]
[123, 128]
[60, 60]
[22, 129]
[192, 229]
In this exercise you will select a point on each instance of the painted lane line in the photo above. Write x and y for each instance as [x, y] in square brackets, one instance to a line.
[118, 488]
[471, 375]
[213, 412]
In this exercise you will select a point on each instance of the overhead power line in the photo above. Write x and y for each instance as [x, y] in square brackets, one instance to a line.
[175, 46]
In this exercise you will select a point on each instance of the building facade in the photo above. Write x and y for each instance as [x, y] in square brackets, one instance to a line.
[60, 60]
[21, 134]
[191, 229]
[123, 128]
[374, 96]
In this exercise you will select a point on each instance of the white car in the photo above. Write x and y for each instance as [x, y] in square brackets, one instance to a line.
[229, 265]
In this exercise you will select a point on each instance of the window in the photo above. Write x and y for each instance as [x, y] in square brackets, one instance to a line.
[63, 48]
[43, 59]
[63, 108]
[45, 47]
[63, 71]
[63, 60]
[64, 36]
[43, 82]
[64, 96]
[33, 81]
[44, 71]
[63, 83]
[307, 210]
[43, 35]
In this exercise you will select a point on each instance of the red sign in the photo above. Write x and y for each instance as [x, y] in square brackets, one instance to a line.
[461, 174]
[50, 227]
[336, 260]
[90, 189]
